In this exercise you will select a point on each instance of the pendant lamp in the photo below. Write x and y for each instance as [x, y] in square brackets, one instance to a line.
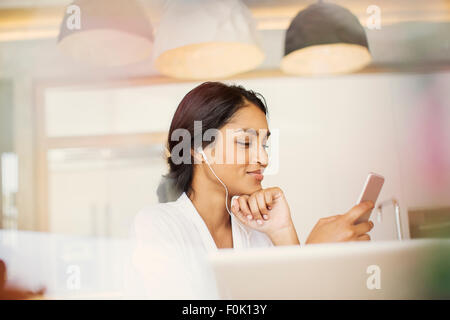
[106, 32]
[206, 39]
[325, 38]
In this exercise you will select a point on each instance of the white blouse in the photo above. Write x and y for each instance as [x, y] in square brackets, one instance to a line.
[171, 243]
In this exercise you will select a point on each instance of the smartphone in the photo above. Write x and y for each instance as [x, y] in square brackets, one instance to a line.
[371, 190]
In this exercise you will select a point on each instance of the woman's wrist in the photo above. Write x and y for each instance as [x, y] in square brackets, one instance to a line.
[285, 236]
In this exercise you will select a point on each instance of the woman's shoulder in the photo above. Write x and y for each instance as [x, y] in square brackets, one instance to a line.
[159, 217]
[157, 212]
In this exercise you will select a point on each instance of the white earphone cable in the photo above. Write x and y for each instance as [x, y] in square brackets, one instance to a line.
[226, 189]
[226, 196]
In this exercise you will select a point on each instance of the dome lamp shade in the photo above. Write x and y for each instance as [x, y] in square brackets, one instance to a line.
[107, 33]
[206, 39]
[323, 39]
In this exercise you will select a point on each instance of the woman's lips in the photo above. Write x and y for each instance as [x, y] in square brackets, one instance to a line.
[257, 174]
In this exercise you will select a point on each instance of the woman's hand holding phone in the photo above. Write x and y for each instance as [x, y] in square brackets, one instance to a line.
[342, 227]
[267, 211]
[353, 225]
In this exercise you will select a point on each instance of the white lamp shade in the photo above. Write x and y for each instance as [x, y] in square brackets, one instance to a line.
[325, 59]
[204, 39]
[111, 33]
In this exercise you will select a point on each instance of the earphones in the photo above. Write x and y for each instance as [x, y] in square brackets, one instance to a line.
[200, 150]
[247, 233]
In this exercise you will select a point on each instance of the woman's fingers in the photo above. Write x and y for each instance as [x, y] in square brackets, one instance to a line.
[241, 210]
[257, 207]
[269, 199]
[364, 237]
[359, 210]
[253, 204]
[236, 209]
[363, 227]
[261, 200]
[244, 207]
[252, 208]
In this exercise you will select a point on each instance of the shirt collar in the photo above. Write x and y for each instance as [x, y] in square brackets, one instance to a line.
[196, 218]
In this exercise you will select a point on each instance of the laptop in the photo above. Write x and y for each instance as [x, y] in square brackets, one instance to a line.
[352, 270]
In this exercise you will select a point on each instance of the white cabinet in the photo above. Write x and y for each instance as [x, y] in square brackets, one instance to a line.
[96, 192]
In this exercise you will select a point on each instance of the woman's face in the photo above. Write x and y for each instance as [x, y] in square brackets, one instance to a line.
[239, 155]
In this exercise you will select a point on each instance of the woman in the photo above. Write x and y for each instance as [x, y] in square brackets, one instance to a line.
[212, 122]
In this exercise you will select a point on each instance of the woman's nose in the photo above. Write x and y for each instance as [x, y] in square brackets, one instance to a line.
[261, 156]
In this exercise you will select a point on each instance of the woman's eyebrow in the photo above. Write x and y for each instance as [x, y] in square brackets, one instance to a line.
[253, 131]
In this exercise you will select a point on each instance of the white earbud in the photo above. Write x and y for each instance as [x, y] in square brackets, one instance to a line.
[204, 155]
